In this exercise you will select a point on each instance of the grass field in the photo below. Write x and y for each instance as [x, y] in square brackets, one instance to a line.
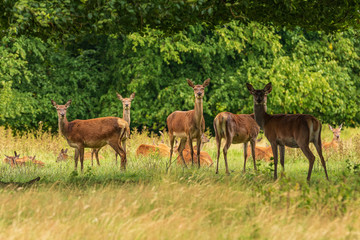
[145, 202]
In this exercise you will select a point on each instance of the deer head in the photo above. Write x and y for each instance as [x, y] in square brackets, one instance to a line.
[126, 101]
[62, 155]
[61, 109]
[199, 89]
[260, 96]
[336, 131]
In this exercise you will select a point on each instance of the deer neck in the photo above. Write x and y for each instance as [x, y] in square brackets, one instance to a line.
[126, 115]
[198, 111]
[260, 114]
[63, 126]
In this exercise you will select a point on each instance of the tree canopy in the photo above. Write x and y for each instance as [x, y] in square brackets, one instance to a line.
[88, 50]
[71, 20]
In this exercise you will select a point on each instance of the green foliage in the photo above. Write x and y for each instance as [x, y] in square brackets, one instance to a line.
[311, 72]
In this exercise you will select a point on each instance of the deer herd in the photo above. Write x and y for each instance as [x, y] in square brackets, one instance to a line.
[281, 130]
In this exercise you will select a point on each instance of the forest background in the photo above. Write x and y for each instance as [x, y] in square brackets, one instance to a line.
[89, 50]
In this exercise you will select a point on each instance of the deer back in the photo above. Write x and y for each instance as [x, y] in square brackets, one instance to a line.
[95, 132]
[183, 122]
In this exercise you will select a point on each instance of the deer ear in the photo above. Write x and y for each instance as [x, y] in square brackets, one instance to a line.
[268, 88]
[119, 96]
[330, 127]
[53, 103]
[340, 126]
[250, 88]
[206, 82]
[65, 151]
[132, 96]
[68, 103]
[191, 84]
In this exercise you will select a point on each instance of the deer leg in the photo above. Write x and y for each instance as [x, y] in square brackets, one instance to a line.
[225, 149]
[253, 145]
[124, 148]
[76, 157]
[245, 155]
[180, 150]
[218, 145]
[96, 156]
[92, 155]
[119, 150]
[172, 140]
[198, 146]
[282, 156]
[191, 150]
[81, 151]
[310, 156]
[319, 151]
[275, 153]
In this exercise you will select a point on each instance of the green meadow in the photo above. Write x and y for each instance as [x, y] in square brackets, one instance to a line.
[145, 202]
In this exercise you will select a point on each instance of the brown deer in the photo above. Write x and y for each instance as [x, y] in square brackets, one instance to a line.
[63, 156]
[92, 133]
[334, 144]
[126, 102]
[11, 160]
[205, 158]
[292, 130]
[17, 161]
[235, 128]
[188, 125]
[261, 153]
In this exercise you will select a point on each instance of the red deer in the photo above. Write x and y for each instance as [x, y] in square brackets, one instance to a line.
[292, 130]
[126, 102]
[264, 153]
[235, 128]
[188, 125]
[144, 149]
[63, 156]
[205, 158]
[17, 161]
[334, 144]
[11, 160]
[92, 133]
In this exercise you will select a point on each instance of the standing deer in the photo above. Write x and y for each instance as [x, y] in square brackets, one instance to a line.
[188, 125]
[292, 130]
[235, 128]
[334, 144]
[126, 102]
[92, 133]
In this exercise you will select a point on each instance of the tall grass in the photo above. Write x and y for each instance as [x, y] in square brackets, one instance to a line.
[145, 202]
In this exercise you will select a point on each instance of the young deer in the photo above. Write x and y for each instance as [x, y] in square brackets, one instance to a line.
[63, 156]
[292, 130]
[92, 133]
[188, 125]
[11, 160]
[334, 144]
[235, 128]
[17, 161]
[126, 102]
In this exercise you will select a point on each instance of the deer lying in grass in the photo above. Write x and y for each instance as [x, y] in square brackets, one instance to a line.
[188, 125]
[92, 133]
[334, 144]
[126, 102]
[292, 130]
[63, 156]
[235, 128]
[17, 161]
[205, 158]
[161, 149]
[261, 153]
